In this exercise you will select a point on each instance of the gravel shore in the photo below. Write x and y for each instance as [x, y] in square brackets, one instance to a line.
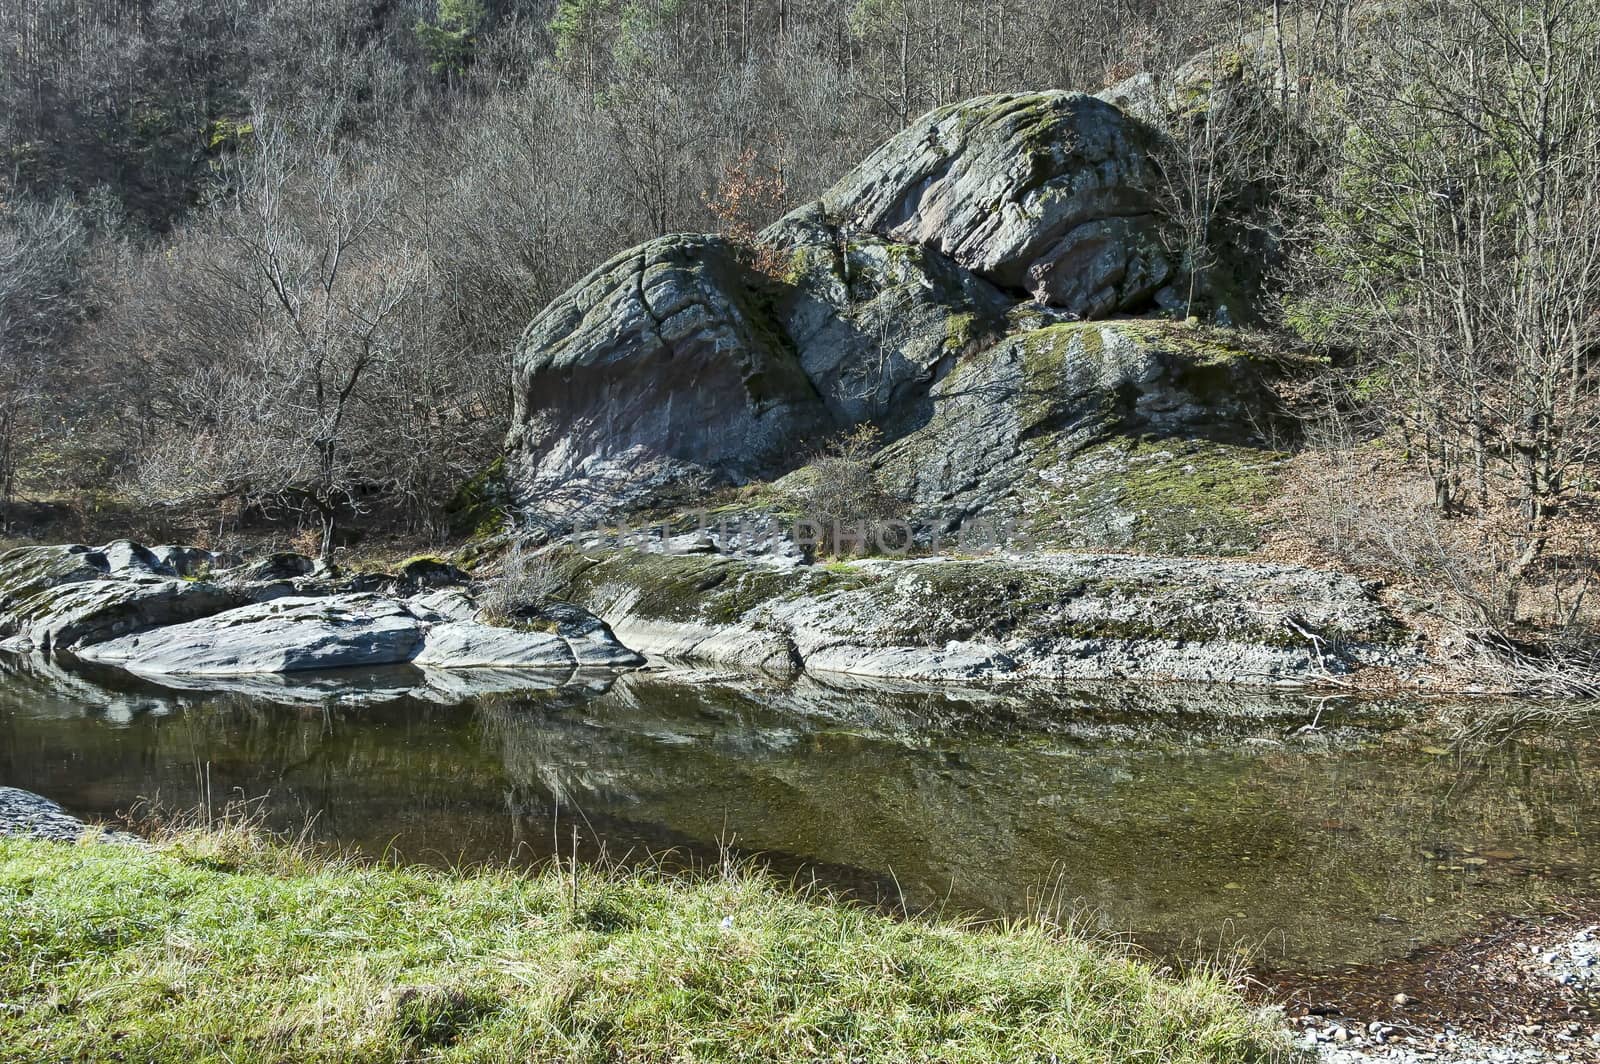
[1540, 985]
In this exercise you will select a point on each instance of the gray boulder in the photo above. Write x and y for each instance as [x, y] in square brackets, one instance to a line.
[661, 366]
[190, 562]
[469, 644]
[127, 558]
[555, 635]
[27, 571]
[69, 616]
[34, 816]
[420, 573]
[284, 565]
[444, 604]
[590, 639]
[284, 635]
[1045, 193]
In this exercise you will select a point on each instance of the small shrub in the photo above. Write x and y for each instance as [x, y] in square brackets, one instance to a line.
[521, 584]
[745, 201]
[845, 499]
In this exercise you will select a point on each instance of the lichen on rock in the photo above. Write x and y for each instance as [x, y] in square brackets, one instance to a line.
[1046, 193]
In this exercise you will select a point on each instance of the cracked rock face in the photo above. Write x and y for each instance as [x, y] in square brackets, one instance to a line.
[1045, 193]
[677, 363]
[661, 365]
[874, 322]
[1009, 427]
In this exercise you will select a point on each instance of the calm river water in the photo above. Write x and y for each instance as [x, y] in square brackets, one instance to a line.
[1190, 818]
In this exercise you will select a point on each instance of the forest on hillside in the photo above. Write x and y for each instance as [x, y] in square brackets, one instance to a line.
[269, 259]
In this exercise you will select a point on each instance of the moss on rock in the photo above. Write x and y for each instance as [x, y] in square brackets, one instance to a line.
[1161, 496]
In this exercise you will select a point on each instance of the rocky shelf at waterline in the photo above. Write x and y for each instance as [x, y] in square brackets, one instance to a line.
[1031, 617]
[183, 611]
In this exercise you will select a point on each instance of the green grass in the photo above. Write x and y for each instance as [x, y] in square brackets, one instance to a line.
[224, 946]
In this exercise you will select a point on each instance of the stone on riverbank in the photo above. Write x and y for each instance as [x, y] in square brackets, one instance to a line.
[122, 606]
[296, 634]
[32, 815]
[283, 635]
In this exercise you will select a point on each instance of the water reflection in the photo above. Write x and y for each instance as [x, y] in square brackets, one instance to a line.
[1182, 814]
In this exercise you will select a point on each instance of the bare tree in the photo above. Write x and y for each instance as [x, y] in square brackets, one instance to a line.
[313, 293]
[1212, 148]
[1459, 247]
[41, 253]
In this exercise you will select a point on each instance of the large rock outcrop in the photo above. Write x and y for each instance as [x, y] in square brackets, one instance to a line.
[691, 361]
[1145, 435]
[874, 322]
[1046, 193]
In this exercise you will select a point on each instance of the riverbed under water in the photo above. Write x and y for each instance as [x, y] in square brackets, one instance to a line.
[1195, 819]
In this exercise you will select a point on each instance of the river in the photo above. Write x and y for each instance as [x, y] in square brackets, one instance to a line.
[1310, 832]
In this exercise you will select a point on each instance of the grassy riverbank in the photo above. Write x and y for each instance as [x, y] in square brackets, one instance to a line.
[221, 945]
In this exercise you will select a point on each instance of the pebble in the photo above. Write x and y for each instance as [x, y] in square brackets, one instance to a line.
[1453, 1050]
[1574, 962]
[1571, 960]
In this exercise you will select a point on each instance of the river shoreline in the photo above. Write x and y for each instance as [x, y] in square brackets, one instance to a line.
[1517, 991]
[997, 621]
[1519, 988]
[311, 957]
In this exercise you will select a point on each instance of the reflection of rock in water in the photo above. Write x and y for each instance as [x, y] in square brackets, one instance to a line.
[1148, 805]
[44, 686]
[643, 736]
[124, 693]
[1187, 814]
[927, 781]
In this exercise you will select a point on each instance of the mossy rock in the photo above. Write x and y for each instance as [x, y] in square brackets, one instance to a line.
[481, 506]
[709, 589]
[1154, 495]
[26, 572]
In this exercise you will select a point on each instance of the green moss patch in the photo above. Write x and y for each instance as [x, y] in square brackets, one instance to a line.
[1161, 496]
[479, 507]
[708, 589]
